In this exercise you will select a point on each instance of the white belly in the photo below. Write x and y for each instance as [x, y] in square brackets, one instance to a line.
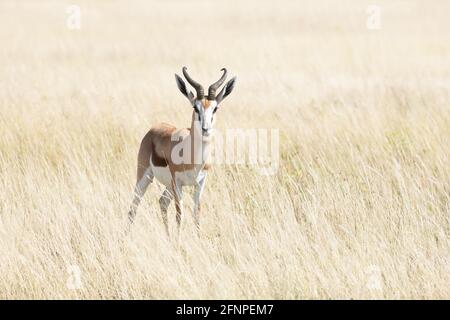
[183, 178]
[162, 174]
[189, 178]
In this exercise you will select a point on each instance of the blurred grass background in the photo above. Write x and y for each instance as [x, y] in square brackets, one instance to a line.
[359, 207]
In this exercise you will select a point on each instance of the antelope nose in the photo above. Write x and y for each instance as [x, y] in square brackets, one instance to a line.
[205, 130]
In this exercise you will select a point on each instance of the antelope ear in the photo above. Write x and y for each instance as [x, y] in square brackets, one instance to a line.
[183, 89]
[226, 90]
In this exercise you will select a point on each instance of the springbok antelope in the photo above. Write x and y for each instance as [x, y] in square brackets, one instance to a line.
[177, 157]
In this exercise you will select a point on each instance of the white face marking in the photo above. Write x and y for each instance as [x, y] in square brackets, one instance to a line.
[205, 116]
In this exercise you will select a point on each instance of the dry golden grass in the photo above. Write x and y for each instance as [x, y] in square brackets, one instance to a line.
[358, 209]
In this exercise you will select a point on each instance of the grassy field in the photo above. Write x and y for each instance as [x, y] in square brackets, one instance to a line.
[359, 207]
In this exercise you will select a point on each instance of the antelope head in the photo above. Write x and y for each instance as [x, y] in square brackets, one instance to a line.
[203, 115]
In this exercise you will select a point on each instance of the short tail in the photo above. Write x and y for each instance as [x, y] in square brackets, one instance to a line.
[145, 151]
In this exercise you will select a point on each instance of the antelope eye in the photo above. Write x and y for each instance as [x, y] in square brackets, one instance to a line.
[214, 111]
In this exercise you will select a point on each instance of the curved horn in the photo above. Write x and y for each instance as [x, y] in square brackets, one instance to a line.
[197, 86]
[212, 88]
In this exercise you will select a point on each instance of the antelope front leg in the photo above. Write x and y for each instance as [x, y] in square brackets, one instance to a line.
[198, 190]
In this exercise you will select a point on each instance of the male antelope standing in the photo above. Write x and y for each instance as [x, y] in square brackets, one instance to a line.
[177, 157]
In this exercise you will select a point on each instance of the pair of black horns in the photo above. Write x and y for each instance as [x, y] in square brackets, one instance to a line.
[212, 88]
